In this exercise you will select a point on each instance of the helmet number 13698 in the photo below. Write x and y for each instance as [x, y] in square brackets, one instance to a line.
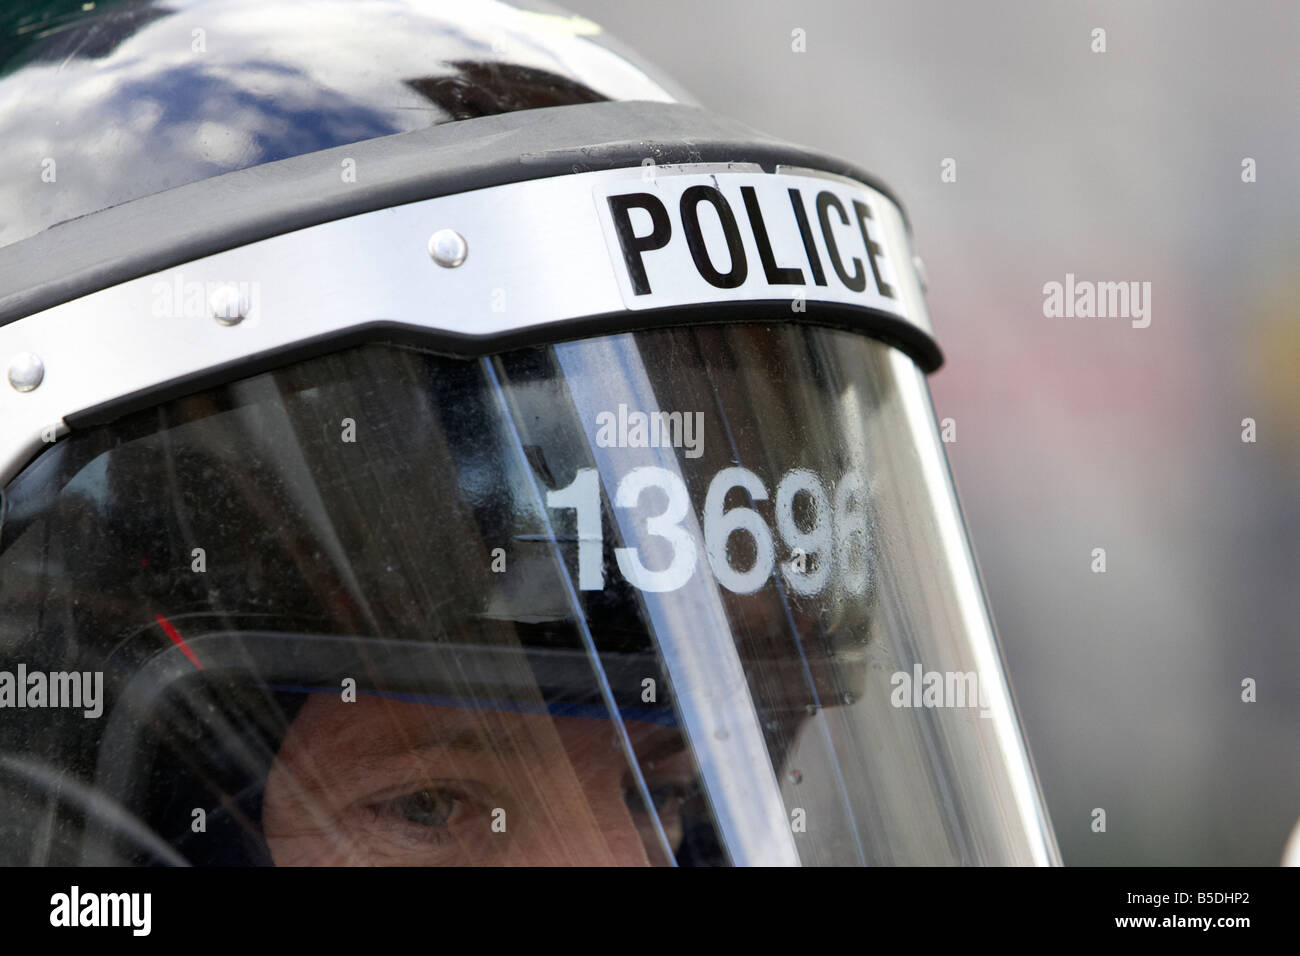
[822, 533]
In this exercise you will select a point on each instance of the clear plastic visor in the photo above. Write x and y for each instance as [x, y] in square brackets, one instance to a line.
[680, 597]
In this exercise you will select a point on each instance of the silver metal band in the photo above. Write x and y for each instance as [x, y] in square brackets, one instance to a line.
[478, 265]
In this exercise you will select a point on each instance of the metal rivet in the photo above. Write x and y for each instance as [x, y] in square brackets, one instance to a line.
[448, 248]
[26, 371]
[919, 266]
[229, 306]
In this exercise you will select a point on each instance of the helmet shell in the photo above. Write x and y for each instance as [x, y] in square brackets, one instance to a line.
[104, 105]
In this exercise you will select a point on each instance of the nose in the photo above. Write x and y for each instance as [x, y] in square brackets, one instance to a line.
[622, 837]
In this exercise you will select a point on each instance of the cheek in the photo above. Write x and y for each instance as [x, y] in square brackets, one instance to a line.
[302, 851]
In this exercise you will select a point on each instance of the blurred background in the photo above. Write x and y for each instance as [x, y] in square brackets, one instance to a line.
[1075, 434]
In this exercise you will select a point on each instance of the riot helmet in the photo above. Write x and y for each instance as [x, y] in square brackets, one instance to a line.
[431, 438]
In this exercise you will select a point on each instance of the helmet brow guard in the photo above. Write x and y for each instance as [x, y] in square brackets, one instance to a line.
[548, 223]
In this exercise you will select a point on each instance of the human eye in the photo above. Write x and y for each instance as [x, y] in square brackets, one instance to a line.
[444, 818]
[434, 806]
[667, 796]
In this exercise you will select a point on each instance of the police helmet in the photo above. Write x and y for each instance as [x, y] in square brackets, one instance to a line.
[430, 437]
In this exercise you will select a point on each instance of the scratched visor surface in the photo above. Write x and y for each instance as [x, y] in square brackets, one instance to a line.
[667, 597]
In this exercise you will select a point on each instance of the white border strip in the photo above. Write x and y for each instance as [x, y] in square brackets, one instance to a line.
[537, 255]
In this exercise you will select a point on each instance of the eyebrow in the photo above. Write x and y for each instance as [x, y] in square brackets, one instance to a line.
[482, 739]
[476, 740]
[473, 740]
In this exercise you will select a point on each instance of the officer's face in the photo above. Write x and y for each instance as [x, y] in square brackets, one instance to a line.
[378, 782]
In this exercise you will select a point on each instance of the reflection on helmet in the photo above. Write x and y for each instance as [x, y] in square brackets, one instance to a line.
[193, 89]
